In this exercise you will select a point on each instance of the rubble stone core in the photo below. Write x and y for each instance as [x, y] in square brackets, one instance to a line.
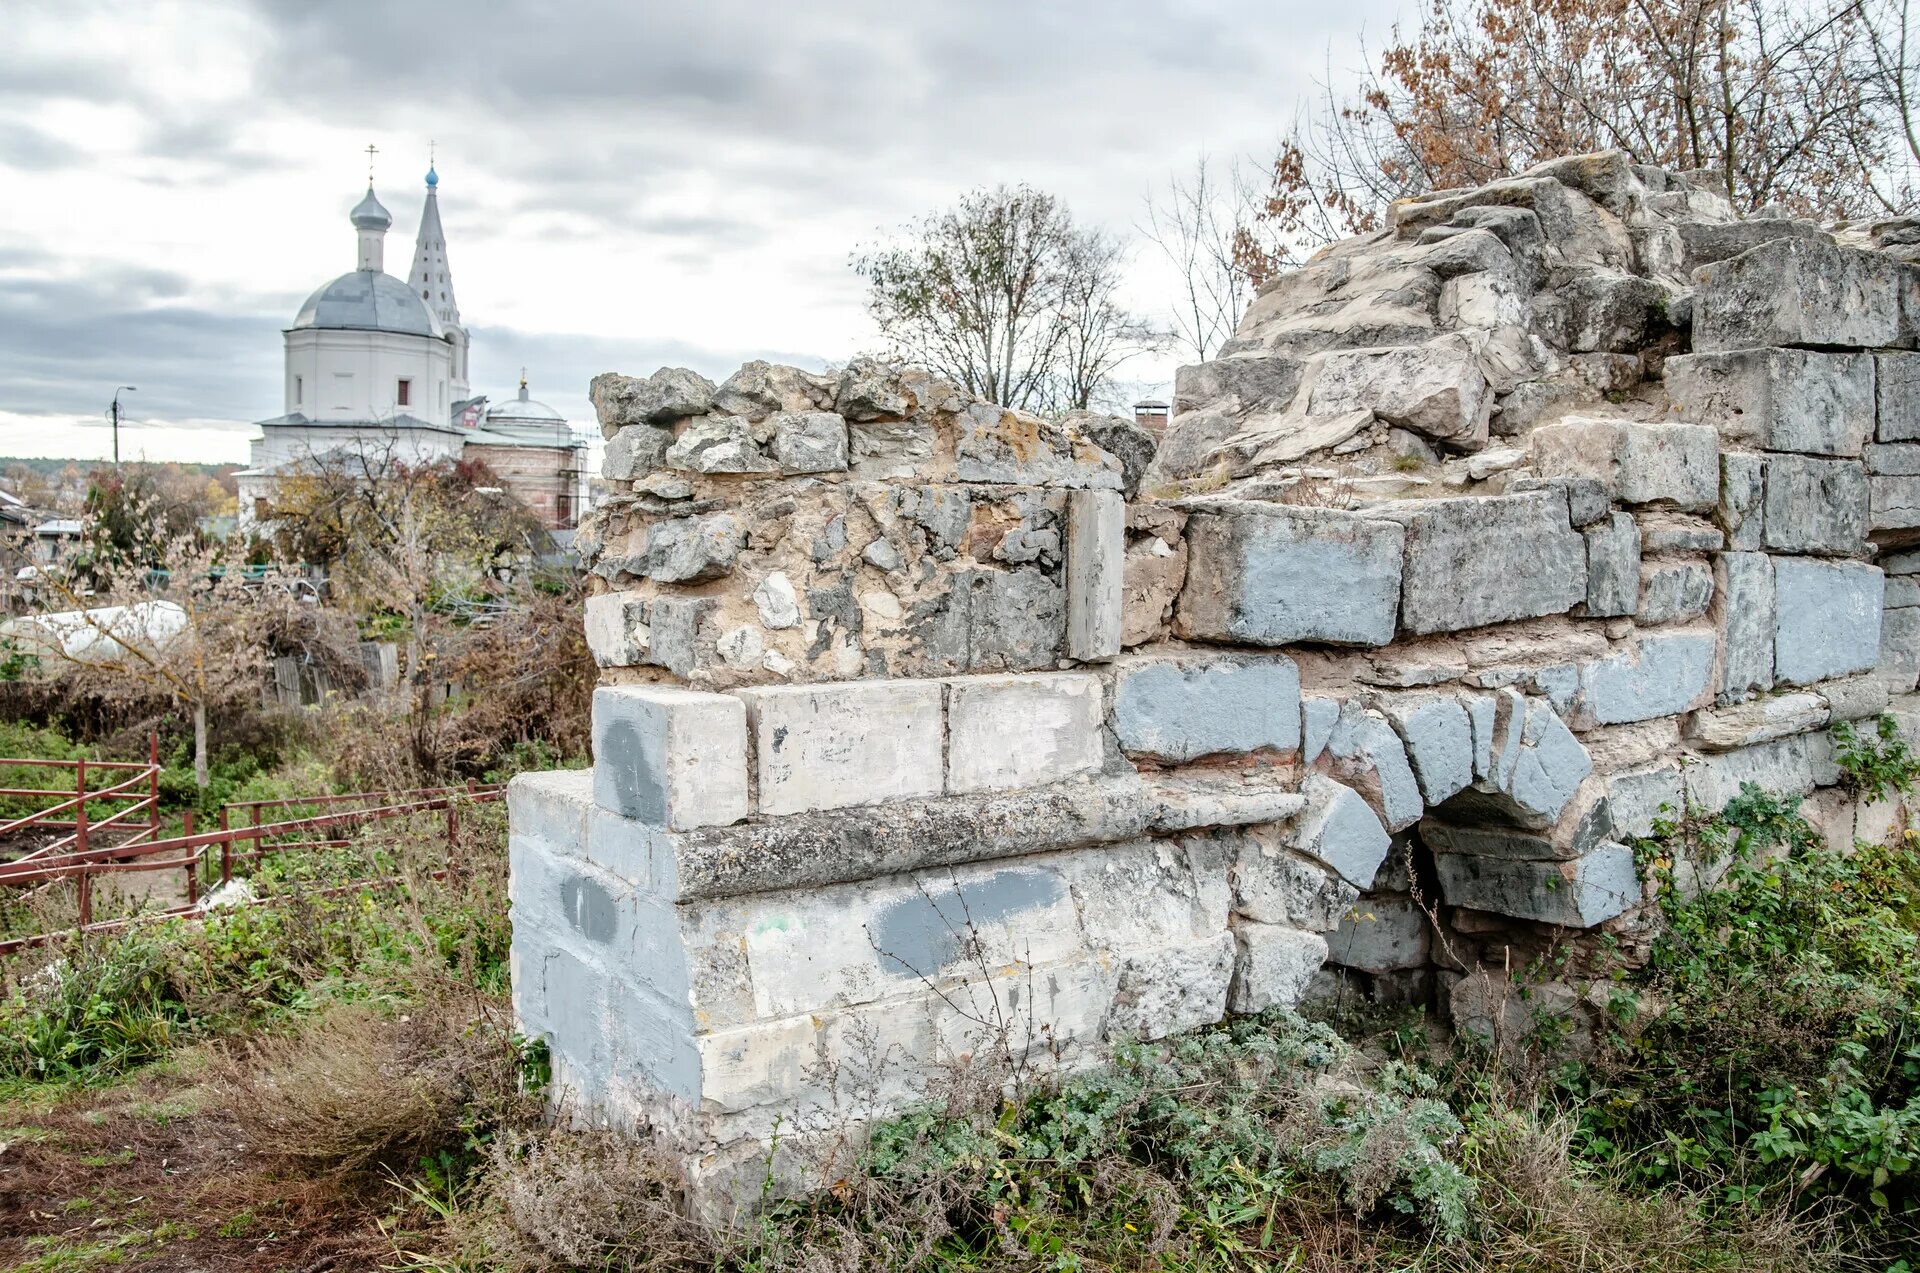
[934, 734]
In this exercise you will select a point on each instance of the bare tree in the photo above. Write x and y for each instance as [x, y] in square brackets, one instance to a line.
[1894, 72]
[1195, 221]
[1778, 98]
[1007, 297]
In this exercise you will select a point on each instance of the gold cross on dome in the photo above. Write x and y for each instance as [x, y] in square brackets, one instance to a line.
[372, 150]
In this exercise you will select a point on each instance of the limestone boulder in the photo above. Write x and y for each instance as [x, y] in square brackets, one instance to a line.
[760, 389]
[1800, 292]
[1433, 390]
[668, 395]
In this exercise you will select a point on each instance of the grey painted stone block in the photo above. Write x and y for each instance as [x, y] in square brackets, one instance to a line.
[1275, 965]
[855, 743]
[1662, 675]
[1270, 574]
[1800, 292]
[1180, 709]
[1613, 566]
[1342, 830]
[1096, 569]
[1673, 591]
[1897, 391]
[668, 756]
[1382, 934]
[1576, 894]
[1317, 719]
[1903, 592]
[1742, 510]
[552, 808]
[1439, 740]
[1747, 619]
[1022, 731]
[1671, 464]
[1368, 755]
[1471, 562]
[1827, 619]
[1533, 769]
[1778, 399]
[1815, 506]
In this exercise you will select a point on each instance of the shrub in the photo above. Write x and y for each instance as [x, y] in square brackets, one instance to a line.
[357, 1089]
[1779, 1045]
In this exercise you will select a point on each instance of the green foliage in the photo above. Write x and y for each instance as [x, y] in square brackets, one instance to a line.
[1239, 1118]
[1779, 1048]
[88, 1010]
[1877, 767]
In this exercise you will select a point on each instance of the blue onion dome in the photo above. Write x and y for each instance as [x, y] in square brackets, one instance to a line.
[369, 215]
[433, 178]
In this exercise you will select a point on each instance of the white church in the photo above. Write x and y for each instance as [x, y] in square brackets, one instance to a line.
[378, 367]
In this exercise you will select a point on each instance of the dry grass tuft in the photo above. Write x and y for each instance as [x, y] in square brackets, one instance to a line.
[591, 1199]
[357, 1090]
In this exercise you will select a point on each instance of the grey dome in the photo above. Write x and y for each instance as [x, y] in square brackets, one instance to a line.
[368, 214]
[525, 409]
[367, 300]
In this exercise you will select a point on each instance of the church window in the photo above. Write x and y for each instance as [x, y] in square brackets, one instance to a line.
[405, 394]
[424, 296]
[298, 389]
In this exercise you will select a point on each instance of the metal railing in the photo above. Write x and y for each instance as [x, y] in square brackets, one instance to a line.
[241, 840]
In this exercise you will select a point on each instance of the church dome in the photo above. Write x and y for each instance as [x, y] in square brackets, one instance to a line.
[368, 300]
[523, 410]
[369, 214]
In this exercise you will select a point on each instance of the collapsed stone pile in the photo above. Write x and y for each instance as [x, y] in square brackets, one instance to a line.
[932, 730]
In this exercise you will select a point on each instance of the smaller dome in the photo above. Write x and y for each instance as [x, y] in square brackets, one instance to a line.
[524, 409]
[369, 215]
[433, 178]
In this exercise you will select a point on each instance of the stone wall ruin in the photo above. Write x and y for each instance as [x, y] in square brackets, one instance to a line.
[930, 729]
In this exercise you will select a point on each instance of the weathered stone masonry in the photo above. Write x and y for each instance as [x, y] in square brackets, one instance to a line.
[930, 730]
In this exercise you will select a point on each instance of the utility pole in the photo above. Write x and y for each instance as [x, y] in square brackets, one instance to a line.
[116, 420]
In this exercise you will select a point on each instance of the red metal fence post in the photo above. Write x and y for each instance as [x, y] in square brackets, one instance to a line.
[256, 836]
[226, 849]
[153, 784]
[85, 883]
[193, 859]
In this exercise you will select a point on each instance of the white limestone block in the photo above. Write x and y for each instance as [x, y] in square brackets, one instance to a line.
[1274, 966]
[616, 624]
[1021, 731]
[840, 745]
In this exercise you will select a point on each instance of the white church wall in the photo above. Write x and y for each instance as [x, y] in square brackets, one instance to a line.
[355, 375]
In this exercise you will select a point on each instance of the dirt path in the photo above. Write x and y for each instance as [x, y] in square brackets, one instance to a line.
[150, 1174]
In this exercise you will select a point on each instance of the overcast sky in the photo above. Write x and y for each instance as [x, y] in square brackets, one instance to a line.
[624, 184]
